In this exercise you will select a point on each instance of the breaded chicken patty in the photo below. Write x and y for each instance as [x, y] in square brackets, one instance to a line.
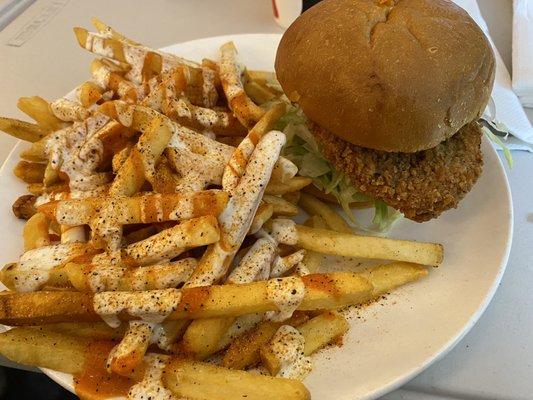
[421, 185]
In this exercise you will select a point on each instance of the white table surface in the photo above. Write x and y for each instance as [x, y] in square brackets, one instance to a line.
[494, 361]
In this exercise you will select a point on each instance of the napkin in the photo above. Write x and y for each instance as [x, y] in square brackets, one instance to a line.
[523, 50]
[506, 109]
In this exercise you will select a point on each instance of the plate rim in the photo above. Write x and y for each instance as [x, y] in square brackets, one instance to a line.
[65, 380]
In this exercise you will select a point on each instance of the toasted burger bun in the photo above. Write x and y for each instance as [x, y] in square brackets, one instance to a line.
[397, 76]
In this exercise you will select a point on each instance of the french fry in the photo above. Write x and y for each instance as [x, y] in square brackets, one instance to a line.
[68, 110]
[281, 206]
[264, 213]
[322, 330]
[126, 52]
[166, 179]
[36, 152]
[140, 209]
[30, 346]
[89, 93]
[246, 111]
[129, 353]
[89, 330]
[29, 172]
[73, 234]
[292, 197]
[313, 260]
[196, 380]
[140, 164]
[317, 333]
[351, 245]
[40, 111]
[243, 352]
[22, 130]
[235, 224]
[120, 158]
[203, 337]
[239, 159]
[258, 93]
[160, 276]
[322, 292]
[105, 29]
[108, 79]
[36, 232]
[292, 185]
[24, 206]
[51, 175]
[284, 170]
[12, 273]
[173, 241]
[314, 206]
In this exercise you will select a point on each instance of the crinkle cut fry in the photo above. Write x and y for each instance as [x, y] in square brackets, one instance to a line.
[242, 106]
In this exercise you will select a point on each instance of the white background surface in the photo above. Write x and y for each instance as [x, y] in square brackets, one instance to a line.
[494, 361]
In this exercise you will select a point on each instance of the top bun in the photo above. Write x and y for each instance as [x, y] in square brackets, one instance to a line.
[389, 75]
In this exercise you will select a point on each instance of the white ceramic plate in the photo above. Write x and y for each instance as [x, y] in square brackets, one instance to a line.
[396, 338]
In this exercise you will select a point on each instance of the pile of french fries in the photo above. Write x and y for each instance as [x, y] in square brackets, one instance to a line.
[159, 234]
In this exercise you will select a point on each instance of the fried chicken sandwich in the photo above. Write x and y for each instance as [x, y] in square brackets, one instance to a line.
[391, 92]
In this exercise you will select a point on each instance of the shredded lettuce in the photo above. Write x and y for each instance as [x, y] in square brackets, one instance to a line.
[302, 149]
[496, 139]
[499, 127]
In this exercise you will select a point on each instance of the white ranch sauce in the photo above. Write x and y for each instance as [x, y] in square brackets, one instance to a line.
[149, 306]
[287, 294]
[287, 345]
[151, 387]
[284, 231]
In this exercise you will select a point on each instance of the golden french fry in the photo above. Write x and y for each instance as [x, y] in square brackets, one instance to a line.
[238, 161]
[29, 172]
[314, 206]
[292, 197]
[172, 242]
[322, 292]
[24, 206]
[313, 260]
[258, 93]
[120, 158]
[89, 93]
[51, 175]
[140, 164]
[68, 110]
[246, 111]
[292, 185]
[140, 209]
[281, 206]
[108, 79]
[30, 346]
[322, 330]
[264, 213]
[160, 276]
[351, 245]
[36, 152]
[129, 353]
[89, 330]
[22, 130]
[12, 273]
[243, 352]
[105, 29]
[36, 232]
[197, 380]
[40, 111]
